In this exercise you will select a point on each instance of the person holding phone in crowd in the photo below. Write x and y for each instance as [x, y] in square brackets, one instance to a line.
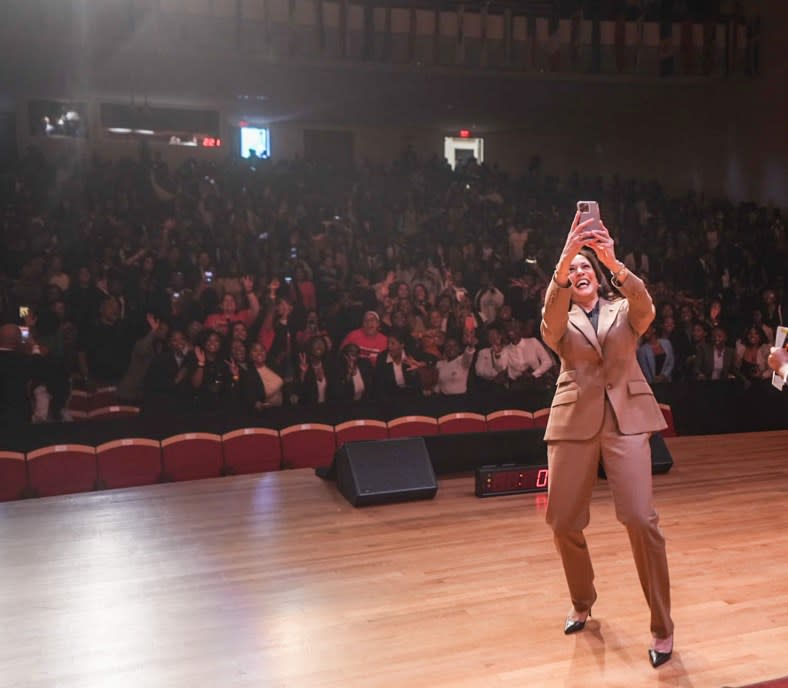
[603, 408]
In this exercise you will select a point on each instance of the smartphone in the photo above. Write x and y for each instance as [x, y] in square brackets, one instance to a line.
[25, 334]
[289, 280]
[24, 311]
[589, 210]
[208, 277]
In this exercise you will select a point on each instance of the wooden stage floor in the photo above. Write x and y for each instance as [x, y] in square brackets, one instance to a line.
[275, 580]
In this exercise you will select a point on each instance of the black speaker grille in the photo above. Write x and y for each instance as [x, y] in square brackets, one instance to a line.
[385, 471]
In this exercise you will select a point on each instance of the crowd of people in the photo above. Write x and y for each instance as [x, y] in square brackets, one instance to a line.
[249, 284]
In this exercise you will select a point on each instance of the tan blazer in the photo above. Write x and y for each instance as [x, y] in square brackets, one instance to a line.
[599, 364]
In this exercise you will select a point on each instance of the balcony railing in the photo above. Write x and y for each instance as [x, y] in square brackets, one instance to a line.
[498, 36]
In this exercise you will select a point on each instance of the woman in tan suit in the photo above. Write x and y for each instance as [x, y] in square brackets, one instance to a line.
[603, 407]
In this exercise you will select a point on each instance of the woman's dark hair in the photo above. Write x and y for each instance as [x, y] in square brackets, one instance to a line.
[204, 335]
[606, 289]
[311, 344]
[762, 339]
[350, 347]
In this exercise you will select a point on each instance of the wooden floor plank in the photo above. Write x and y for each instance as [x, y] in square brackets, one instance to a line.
[275, 580]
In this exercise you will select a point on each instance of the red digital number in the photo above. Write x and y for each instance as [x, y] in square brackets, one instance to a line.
[541, 477]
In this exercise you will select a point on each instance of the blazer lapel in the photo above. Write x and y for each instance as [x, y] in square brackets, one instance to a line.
[580, 320]
[607, 315]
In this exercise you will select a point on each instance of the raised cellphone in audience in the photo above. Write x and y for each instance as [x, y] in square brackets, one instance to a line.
[589, 210]
[24, 311]
[208, 276]
[25, 334]
[288, 280]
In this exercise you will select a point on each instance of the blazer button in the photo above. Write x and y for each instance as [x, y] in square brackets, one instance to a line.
[609, 385]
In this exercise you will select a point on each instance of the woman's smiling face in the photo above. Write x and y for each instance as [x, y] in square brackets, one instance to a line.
[583, 279]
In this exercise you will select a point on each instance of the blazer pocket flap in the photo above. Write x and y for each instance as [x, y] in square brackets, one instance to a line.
[566, 376]
[566, 396]
[638, 387]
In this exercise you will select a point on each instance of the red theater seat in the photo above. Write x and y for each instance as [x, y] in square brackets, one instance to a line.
[412, 426]
[13, 475]
[113, 412]
[308, 445]
[667, 412]
[360, 430]
[79, 404]
[510, 419]
[252, 450]
[540, 417]
[129, 462]
[62, 469]
[102, 397]
[191, 456]
[453, 423]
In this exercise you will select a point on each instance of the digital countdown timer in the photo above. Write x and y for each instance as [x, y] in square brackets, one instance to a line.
[510, 479]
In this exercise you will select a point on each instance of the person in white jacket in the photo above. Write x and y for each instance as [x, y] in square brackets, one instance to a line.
[453, 369]
[492, 361]
[527, 358]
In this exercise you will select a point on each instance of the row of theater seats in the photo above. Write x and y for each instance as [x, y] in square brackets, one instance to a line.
[67, 468]
[102, 403]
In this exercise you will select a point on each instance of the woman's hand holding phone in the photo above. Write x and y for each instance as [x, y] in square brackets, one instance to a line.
[580, 234]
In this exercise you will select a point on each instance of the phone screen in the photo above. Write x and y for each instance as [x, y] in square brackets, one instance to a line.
[589, 210]
[25, 333]
[24, 311]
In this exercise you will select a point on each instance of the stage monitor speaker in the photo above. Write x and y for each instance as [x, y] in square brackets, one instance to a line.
[661, 459]
[385, 471]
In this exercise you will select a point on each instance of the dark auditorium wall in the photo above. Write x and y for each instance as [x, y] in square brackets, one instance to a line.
[724, 136]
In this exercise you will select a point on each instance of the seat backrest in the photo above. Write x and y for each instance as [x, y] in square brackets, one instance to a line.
[510, 419]
[667, 414]
[360, 430]
[412, 426]
[540, 417]
[114, 411]
[62, 469]
[192, 455]
[252, 450]
[129, 462]
[462, 421]
[13, 475]
[308, 445]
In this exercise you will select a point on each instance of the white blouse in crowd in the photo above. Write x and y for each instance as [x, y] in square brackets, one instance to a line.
[489, 364]
[719, 362]
[528, 354]
[322, 386]
[273, 385]
[453, 375]
[761, 358]
[358, 385]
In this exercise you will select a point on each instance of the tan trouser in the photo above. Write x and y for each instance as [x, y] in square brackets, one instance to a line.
[573, 472]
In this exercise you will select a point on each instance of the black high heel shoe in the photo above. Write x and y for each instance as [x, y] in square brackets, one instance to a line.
[658, 658]
[574, 626]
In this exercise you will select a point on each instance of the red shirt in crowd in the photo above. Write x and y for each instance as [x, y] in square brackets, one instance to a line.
[369, 347]
[221, 322]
